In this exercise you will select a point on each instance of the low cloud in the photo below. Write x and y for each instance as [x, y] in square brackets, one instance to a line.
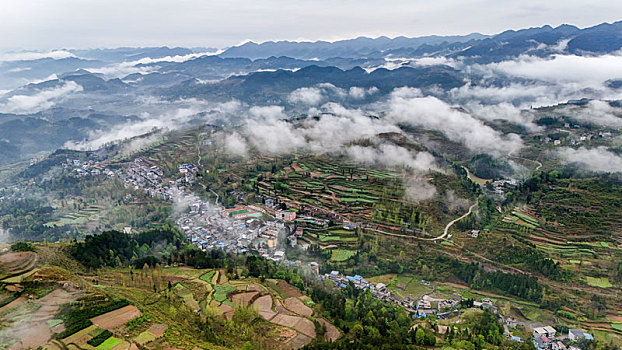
[454, 202]
[359, 93]
[307, 95]
[595, 112]
[408, 106]
[598, 159]
[39, 101]
[236, 145]
[32, 55]
[392, 156]
[147, 124]
[417, 189]
[504, 111]
[589, 70]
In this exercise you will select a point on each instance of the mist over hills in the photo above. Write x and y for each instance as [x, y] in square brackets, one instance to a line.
[64, 93]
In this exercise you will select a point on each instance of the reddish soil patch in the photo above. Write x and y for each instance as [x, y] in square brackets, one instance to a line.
[298, 342]
[14, 288]
[35, 335]
[11, 258]
[243, 299]
[295, 305]
[263, 305]
[615, 318]
[332, 333]
[300, 324]
[14, 303]
[158, 329]
[33, 331]
[116, 318]
[16, 263]
[279, 308]
[227, 311]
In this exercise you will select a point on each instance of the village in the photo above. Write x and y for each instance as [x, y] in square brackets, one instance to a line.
[266, 229]
[207, 225]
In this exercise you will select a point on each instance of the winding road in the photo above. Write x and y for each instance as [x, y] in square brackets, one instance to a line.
[527, 159]
[445, 231]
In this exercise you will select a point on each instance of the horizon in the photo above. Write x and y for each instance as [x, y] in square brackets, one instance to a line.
[69, 24]
[219, 50]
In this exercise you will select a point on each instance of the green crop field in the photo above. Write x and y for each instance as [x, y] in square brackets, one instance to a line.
[109, 343]
[207, 277]
[602, 282]
[220, 292]
[342, 255]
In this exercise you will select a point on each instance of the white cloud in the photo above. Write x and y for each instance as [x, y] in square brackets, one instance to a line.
[596, 159]
[39, 101]
[33, 55]
[407, 106]
[417, 189]
[311, 96]
[359, 93]
[588, 70]
[392, 156]
[236, 144]
[596, 113]
[504, 111]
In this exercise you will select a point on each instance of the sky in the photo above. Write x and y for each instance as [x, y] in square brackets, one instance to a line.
[47, 24]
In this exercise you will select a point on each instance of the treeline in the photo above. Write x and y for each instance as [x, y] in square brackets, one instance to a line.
[519, 285]
[534, 261]
[369, 323]
[25, 219]
[114, 248]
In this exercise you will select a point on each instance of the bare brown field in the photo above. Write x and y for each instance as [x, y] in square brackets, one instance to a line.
[287, 289]
[295, 305]
[279, 308]
[263, 305]
[332, 333]
[243, 299]
[19, 262]
[298, 323]
[226, 310]
[116, 318]
[157, 329]
[298, 342]
[15, 303]
[31, 328]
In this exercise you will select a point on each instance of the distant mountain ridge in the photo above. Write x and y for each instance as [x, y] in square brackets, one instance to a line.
[350, 48]
[540, 41]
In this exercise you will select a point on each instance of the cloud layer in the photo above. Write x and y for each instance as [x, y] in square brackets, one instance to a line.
[597, 159]
[39, 101]
[409, 106]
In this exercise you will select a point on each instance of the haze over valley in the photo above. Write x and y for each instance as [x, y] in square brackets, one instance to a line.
[450, 191]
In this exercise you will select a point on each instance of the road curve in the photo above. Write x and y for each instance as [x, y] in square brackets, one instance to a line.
[446, 231]
[527, 159]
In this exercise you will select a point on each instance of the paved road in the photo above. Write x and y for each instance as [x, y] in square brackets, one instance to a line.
[527, 159]
[445, 232]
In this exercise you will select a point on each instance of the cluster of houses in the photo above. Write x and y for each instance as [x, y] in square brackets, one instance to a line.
[547, 338]
[235, 230]
[207, 225]
[140, 176]
[189, 171]
[574, 139]
[82, 168]
[500, 187]
[426, 306]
